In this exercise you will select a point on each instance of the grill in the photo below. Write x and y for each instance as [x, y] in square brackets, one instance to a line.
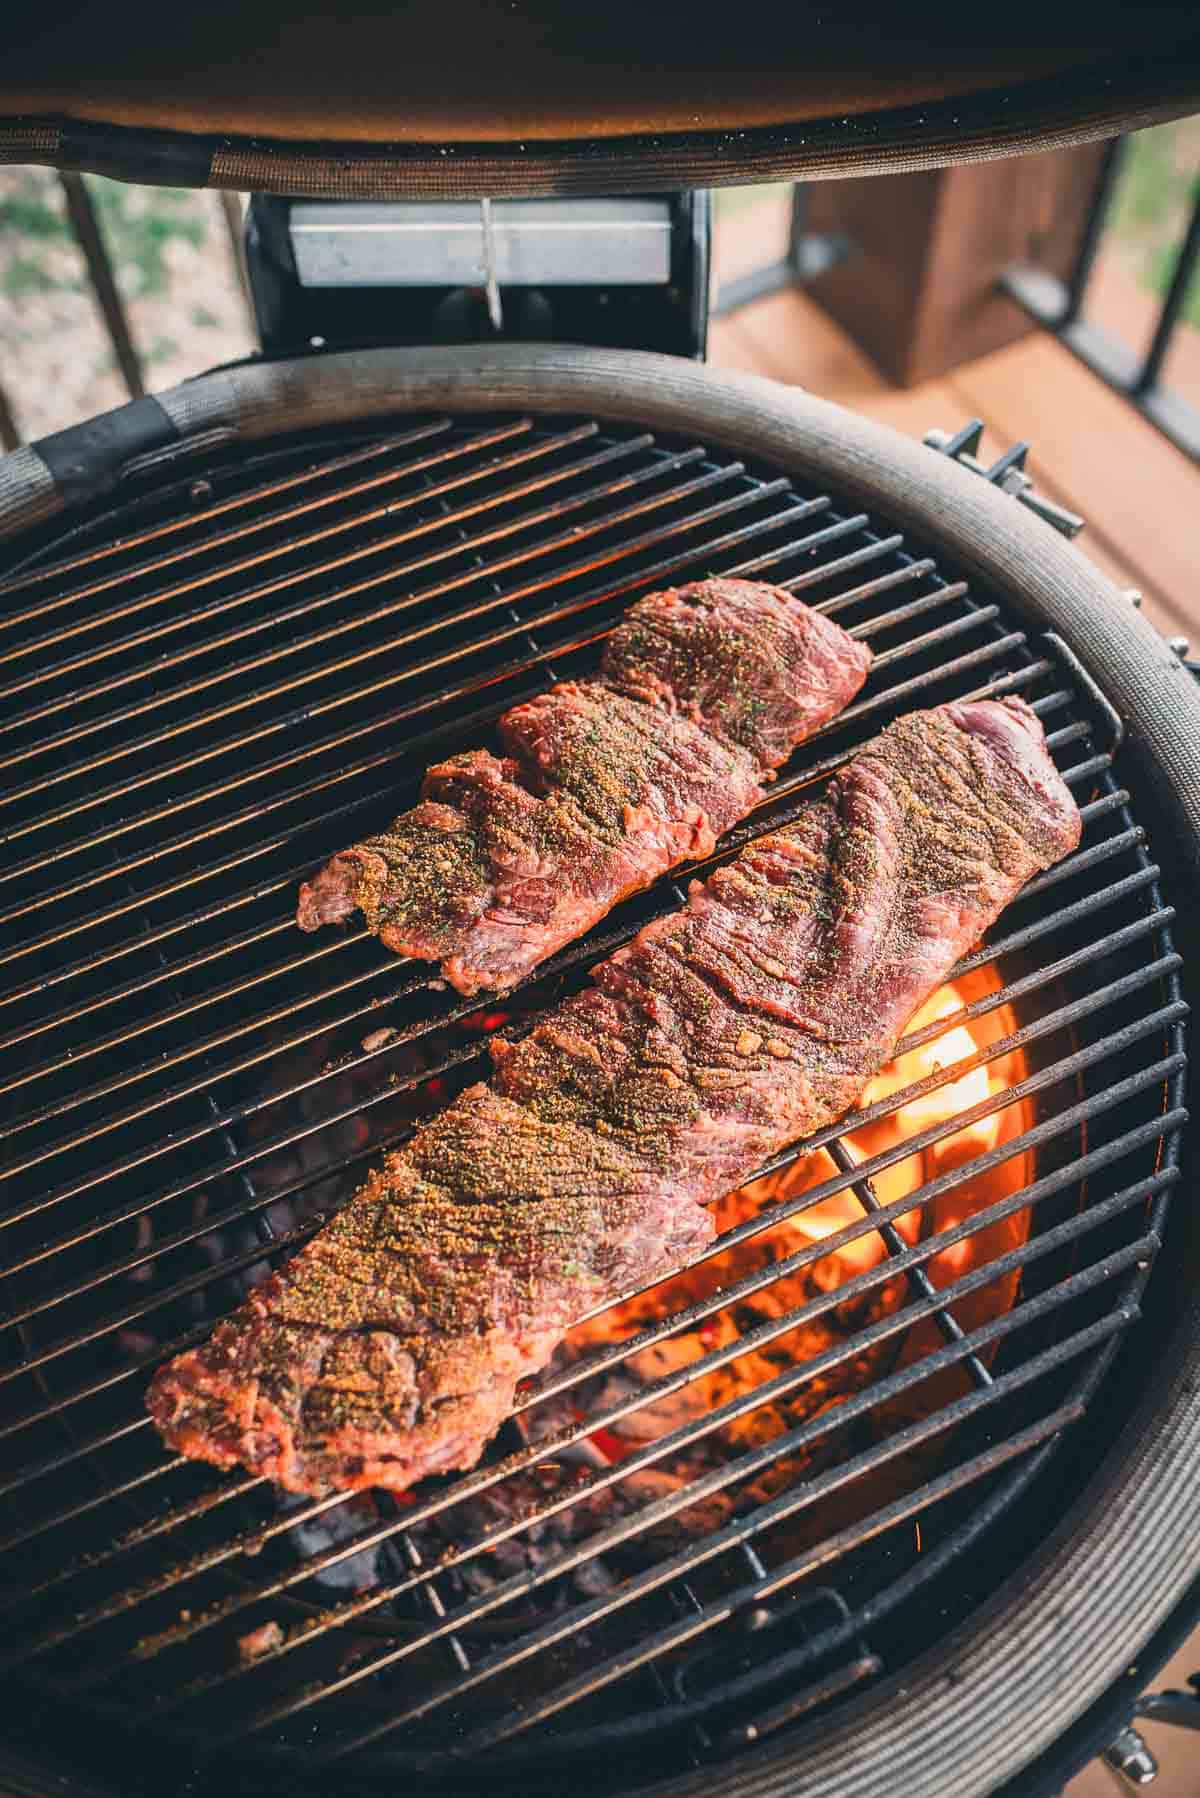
[224, 675]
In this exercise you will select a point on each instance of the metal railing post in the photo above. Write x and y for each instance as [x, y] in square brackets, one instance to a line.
[1093, 230]
[10, 436]
[86, 226]
[1168, 318]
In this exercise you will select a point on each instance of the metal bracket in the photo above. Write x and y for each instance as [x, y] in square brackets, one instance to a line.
[1007, 473]
[1179, 1708]
[1065, 655]
[694, 1677]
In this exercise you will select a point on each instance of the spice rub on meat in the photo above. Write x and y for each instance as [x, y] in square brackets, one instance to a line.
[391, 1347]
[602, 785]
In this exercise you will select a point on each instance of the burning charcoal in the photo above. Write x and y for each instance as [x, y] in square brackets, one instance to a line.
[587, 1164]
[263, 1640]
[358, 1572]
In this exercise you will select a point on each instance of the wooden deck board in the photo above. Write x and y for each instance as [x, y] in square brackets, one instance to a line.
[1092, 451]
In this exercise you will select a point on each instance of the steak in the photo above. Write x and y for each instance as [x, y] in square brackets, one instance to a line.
[391, 1347]
[602, 785]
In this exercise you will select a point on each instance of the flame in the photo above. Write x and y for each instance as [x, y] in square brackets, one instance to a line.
[976, 1030]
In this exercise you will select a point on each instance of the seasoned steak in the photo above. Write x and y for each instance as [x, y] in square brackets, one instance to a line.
[391, 1346]
[602, 785]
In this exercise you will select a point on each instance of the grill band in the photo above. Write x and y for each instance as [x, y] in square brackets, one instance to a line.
[86, 459]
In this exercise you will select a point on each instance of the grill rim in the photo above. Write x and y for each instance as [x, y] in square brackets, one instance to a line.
[1079, 104]
[1091, 1618]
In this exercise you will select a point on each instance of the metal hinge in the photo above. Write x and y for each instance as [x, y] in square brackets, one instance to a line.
[1007, 473]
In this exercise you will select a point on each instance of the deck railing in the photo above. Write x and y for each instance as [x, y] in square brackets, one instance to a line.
[1061, 306]
[87, 229]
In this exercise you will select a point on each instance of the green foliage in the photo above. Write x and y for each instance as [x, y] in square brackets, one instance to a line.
[139, 223]
[30, 210]
[1157, 188]
[136, 223]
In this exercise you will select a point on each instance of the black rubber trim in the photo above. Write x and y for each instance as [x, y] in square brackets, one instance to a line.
[161, 158]
[86, 460]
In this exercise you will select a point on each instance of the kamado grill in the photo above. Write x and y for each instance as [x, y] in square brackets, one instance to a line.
[894, 1490]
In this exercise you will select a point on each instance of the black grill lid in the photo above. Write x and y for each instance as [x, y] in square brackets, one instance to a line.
[469, 97]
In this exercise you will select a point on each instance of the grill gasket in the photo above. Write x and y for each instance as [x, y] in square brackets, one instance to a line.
[1085, 769]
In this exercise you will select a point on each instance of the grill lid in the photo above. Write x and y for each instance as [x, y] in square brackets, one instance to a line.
[471, 97]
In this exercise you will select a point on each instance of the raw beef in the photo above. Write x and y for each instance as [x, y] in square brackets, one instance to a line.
[391, 1346]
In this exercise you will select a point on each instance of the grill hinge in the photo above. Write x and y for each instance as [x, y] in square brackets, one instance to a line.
[1007, 473]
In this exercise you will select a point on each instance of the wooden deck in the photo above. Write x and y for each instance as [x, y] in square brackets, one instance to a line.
[1091, 450]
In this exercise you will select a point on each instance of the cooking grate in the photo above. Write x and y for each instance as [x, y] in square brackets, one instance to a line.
[212, 687]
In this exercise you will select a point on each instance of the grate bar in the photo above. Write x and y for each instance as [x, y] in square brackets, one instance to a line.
[487, 1476]
[265, 846]
[1063, 1018]
[734, 839]
[112, 995]
[150, 633]
[1045, 1132]
[766, 1219]
[743, 1467]
[1007, 683]
[916, 608]
[103, 1044]
[51, 938]
[1031, 982]
[652, 502]
[913, 1040]
[1083, 860]
[1068, 914]
[506, 633]
[115, 995]
[899, 577]
[991, 1460]
[180, 1009]
[1005, 994]
[919, 1283]
[699, 1622]
[1096, 764]
[233, 502]
[945, 633]
[1094, 1161]
[571, 958]
[355, 1608]
[830, 1137]
[296, 645]
[648, 1454]
[870, 552]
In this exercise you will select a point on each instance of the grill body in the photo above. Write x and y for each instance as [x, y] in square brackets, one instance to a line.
[246, 663]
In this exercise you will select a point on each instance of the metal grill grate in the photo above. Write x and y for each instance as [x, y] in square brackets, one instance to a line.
[211, 689]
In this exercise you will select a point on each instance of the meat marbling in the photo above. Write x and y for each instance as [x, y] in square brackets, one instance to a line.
[391, 1346]
[603, 785]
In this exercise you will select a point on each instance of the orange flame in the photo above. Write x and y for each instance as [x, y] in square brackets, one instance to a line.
[975, 1031]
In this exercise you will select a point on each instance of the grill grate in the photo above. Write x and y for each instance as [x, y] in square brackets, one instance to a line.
[212, 688]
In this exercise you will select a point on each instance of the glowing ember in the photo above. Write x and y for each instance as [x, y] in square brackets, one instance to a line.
[962, 1042]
